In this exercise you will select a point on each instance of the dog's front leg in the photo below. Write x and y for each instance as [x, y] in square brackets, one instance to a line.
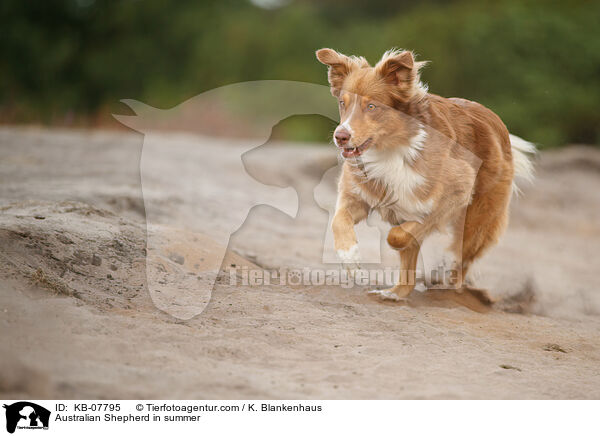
[349, 212]
[406, 238]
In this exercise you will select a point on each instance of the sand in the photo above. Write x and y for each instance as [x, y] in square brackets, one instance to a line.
[79, 320]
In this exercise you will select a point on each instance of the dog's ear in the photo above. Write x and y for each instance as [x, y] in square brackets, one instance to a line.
[400, 69]
[396, 67]
[339, 66]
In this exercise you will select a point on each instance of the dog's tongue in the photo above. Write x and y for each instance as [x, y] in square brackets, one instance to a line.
[350, 152]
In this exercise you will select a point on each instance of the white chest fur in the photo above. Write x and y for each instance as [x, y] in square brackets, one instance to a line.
[393, 171]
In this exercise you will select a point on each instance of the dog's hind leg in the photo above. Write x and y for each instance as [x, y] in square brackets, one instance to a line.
[484, 224]
[485, 221]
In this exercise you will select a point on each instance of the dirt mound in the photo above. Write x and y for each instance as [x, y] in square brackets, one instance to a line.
[74, 249]
[80, 321]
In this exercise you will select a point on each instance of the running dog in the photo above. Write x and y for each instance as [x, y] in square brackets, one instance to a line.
[425, 163]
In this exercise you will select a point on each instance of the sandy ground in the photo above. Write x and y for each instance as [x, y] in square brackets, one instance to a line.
[78, 321]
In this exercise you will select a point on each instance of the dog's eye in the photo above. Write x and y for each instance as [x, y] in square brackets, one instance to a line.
[342, 104]
[371, 106]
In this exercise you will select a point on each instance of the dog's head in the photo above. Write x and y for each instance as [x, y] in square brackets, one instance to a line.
[374, 102]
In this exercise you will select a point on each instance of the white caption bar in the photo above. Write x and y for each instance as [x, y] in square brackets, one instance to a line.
[22, 417]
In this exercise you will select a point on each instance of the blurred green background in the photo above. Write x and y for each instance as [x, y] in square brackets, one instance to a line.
[69, 62]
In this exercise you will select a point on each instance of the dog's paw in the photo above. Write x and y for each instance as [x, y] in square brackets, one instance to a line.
[350, 260]
[386, 294]
[420, 287]
[349, 256]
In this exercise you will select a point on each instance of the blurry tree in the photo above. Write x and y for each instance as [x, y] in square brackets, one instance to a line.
[536, 63]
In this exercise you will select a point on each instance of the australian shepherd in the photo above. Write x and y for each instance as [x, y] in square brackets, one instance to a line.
[425, 163]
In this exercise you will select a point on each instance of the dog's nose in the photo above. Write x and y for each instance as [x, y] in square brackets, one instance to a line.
[342, 136]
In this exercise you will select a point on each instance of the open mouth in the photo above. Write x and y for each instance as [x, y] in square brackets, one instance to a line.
[355, 151]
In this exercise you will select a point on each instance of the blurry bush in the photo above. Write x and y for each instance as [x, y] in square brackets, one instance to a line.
[536, 63]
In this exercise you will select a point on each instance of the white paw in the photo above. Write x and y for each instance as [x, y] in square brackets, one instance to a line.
[349, 256]
[386, 294]
[420, 286]
[350, 260]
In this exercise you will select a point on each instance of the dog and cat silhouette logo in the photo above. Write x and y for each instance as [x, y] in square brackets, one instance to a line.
[26, 415]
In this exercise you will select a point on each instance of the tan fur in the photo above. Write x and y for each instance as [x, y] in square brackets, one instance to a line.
[460, 177]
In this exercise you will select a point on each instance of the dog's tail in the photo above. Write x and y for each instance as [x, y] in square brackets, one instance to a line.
[523, 153]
